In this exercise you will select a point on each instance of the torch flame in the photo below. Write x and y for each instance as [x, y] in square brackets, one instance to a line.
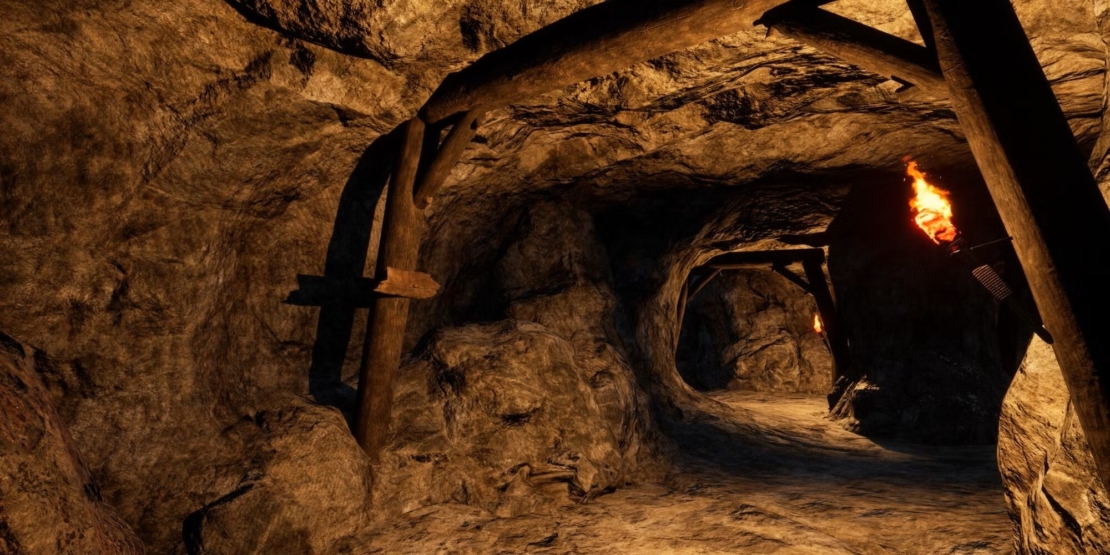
[932, 211]
[817, 327]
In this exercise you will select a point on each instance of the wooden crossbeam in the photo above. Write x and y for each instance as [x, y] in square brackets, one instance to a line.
[1042, 188]
[924, 27]
[859, 45]
[595, 41]
[815, 284]
[752, 259]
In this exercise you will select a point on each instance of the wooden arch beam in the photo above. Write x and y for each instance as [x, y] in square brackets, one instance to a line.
[595, 41]
[859, 45]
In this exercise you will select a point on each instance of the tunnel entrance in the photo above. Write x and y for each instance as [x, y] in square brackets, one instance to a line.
[753, 330]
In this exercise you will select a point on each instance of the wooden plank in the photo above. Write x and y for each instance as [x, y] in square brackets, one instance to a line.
[1044, 192]
[755, 259]
[594, 41]
[410, 285]
[781, 270]
[385, 332]
[432, 179]
[830, 318]
[859, 45]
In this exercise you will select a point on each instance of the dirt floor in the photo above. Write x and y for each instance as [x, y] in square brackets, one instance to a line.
[763, 473]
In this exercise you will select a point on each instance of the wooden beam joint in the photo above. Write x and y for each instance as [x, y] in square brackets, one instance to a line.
[859, 45]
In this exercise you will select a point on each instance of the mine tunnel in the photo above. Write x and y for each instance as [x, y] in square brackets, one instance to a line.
[622, 277]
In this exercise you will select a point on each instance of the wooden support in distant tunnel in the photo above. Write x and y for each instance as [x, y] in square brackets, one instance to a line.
[1042, 188]
[830, 318]
[815, 284]
[859, 45]
[595, 41]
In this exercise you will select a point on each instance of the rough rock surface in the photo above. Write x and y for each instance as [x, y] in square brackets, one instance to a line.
[753, 330]
[49, 502]
[169, 167]
[1057, 503]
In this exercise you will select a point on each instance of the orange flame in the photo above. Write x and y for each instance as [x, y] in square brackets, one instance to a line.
[932, 211]
[817, 327]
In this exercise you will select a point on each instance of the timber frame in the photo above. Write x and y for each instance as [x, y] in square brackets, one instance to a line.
[814, 283]
[976, 54]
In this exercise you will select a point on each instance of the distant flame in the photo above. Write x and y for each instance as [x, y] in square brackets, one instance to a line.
[817, 327]
[932, 211]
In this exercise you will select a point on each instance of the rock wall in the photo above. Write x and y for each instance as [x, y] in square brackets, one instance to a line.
[1056, 501]
[169, 167]
[49, 502]
[753, 330]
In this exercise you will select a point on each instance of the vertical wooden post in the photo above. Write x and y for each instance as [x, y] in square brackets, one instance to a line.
[385, 331]
[830, 319]
[1044, 192]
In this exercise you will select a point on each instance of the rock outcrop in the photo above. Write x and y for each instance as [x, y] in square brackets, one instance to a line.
[168, 168]
[49, 501]
[1056, 501]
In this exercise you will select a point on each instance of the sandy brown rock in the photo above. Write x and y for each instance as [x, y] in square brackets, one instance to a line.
[168, 168]
[49, 502]
[501, 417]
[752, 330]
[306, 484]
[1057, 503]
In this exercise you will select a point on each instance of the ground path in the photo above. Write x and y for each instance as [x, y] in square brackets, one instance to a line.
[762, 473]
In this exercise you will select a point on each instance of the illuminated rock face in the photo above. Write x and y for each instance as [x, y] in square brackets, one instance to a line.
[1057, 503]
[167, 169]
[51, 503]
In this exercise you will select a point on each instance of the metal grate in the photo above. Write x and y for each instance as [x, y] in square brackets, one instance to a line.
[992, 281]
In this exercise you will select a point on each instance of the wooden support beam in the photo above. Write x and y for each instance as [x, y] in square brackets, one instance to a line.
[1044, 192]
[385, 332]
[595, 41]
[432, 178]
[361, 292]
[830, 318]
[703, 282]
[924, 27]
[756, 259]
[782, 270]
[859, 45]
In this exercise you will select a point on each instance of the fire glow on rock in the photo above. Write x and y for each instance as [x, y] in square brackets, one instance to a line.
[817, 323]
[931, 210]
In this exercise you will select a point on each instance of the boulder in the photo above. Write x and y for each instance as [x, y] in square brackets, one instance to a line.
[1056, 501]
